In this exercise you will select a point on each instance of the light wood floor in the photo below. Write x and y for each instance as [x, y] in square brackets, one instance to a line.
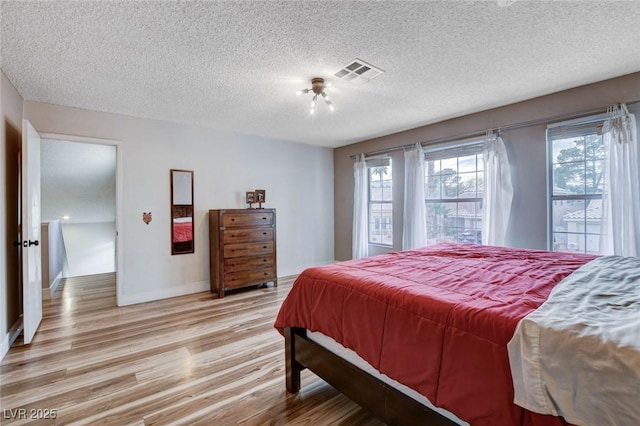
[186, 360]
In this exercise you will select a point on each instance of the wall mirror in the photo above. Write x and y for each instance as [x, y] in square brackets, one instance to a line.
[181, 211]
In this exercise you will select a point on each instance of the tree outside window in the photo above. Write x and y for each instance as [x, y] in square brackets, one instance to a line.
[576, 195]
[381, 204]
[454, 196]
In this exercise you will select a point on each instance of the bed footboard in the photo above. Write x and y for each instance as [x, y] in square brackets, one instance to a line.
[388, 404]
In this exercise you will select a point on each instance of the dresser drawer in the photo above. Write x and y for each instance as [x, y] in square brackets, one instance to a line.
[235, 264]
[244, 278]
[248, 249]
[246, 235]
[251, 218]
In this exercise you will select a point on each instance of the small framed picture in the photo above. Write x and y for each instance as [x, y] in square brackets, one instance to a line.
[261, 196]
[251, 197]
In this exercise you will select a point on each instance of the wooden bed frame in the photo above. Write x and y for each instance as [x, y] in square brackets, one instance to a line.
[388, 404]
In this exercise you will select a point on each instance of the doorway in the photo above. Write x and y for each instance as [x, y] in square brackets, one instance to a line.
[81, 193]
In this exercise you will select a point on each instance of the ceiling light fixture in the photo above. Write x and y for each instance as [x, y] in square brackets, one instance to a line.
[317, 88]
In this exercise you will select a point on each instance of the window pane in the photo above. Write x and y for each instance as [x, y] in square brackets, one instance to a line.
[569, 242]
[569, 178]
[469, 222]
[432, 166]
[467, 164]
[560, 145]
[449, 184]
[454, 221]
[594, 176]
[594, 149]
[467, 185]
[568, 215]
[432, 188]
[577, 242]
[454, 199]
[568, 150]
[380, 205]
[451, 164]
[577, 171]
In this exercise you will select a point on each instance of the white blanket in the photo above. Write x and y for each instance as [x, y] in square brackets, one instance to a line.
[578, 355]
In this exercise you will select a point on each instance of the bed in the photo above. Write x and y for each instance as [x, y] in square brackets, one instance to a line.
[182, 229]
[435, 320]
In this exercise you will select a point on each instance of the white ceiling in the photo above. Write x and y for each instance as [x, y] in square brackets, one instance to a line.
[235, 65]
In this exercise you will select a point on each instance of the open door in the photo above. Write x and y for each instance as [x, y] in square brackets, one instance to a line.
[31, 253]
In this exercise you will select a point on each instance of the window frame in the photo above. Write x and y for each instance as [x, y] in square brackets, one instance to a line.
[372, 163]
[456, 150]
[580, 127]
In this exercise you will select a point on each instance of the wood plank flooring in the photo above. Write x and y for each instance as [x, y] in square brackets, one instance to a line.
[183, 361]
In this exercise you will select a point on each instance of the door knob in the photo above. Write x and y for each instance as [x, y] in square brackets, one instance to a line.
[30, 243]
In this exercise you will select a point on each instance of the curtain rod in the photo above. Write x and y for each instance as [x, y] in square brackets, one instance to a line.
[480, 133]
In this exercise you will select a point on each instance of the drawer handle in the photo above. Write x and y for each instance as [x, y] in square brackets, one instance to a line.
[233, 219]
[232, 235]
[264, 218]
[264, 233]
[233, 279]
[264, 260]
[265, 273]
[264, 247]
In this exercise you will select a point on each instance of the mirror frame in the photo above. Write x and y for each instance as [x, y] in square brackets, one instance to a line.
[184, 209]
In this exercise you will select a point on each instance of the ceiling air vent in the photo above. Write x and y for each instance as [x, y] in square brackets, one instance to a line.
[358, 71]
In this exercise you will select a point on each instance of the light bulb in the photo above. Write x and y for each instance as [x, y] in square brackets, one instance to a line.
[331, 107]
[312, 111]
[301, 92]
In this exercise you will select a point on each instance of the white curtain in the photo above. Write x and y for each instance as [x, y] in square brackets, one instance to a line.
[498, 191]
[620, 232]
[360, 211]
[414, 224]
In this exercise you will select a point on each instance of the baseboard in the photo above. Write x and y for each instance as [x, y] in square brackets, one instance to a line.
[196, 287]
[164, 293]
[47, 292]
[10, 337]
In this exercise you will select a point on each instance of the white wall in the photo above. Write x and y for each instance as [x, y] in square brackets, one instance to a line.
[298, 180]
[57, 253]
[90, 248]
[54, 259]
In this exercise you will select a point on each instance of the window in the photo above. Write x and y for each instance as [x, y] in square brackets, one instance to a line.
[380, 201]
[453, 179]
[576, 158]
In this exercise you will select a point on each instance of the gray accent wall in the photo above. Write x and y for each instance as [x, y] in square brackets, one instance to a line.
[526, 148]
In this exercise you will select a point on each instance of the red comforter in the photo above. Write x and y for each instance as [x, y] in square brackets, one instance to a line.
[436, 319]
[182, 231]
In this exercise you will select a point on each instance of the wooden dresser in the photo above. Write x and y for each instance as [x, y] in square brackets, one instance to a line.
[242, 248]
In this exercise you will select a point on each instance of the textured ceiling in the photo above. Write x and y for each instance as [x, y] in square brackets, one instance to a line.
[235, 65]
